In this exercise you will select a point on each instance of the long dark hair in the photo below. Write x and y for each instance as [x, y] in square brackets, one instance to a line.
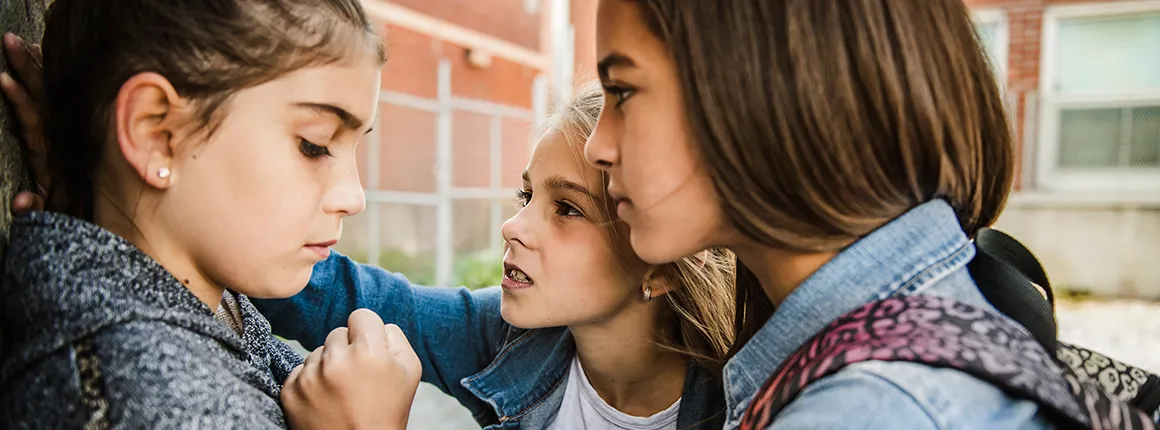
[821, 120]
[207, 49]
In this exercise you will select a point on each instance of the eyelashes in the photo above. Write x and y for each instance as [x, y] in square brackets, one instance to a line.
[563, 208]
[311, 150]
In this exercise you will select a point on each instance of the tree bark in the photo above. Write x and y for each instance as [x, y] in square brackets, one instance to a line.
[26, 19]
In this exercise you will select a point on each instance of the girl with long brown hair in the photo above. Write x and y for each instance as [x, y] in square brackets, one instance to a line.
[845, 150]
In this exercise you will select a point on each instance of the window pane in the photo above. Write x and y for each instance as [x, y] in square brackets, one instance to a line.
[470, 149]
[989, 35]
[478, 262]
[517, 140]
[1108, 53]
[407, 149]
[1090, 138]
[1145, 137]
[406, 239]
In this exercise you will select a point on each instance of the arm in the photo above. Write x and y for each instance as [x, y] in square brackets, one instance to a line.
[455, 332]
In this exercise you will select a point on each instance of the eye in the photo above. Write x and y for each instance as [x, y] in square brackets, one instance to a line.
[618, 93]
[523, 197]
[311, 150]
[564, 208]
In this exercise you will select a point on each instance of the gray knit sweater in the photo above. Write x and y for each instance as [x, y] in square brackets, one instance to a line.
[96, 334]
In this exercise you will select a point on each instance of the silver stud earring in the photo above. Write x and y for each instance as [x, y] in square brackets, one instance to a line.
[163, 172]
[647, 293]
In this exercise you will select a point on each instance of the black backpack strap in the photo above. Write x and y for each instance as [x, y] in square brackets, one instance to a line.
[1007, 273]
[917, 329]
[1005, 248]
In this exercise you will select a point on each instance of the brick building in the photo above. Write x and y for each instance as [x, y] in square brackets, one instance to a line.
[461, 92]
[1082, 81]
[467, 79]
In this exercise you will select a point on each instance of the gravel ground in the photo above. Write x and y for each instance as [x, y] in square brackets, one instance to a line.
[1121, 329]
[1126, 330]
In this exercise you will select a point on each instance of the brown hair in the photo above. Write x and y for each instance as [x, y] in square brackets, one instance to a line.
[701, 302]
[821, 120]
[207, 49]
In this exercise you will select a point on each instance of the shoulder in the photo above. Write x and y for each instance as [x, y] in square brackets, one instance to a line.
[907, 395]
[153, 372]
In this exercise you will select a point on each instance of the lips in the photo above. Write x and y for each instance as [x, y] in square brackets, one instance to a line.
[514, 278]
[320, 249]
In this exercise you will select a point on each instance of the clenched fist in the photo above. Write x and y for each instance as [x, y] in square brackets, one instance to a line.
[363, 377]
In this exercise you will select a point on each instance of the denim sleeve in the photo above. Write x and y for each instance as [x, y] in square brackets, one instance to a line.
[454, 331]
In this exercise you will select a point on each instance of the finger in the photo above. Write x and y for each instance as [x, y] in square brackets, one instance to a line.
[397, 341]
[26, 111]
[26, 202]
[293, 378]
[30, 71]
[314, 357]
[337, 341]
[14, 50]
[366, 330]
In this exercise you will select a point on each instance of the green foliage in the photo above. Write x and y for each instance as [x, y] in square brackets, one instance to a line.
[480, 270]
[477, 270]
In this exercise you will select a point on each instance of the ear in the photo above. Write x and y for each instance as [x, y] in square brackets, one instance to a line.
[146, 114]
[660, 280]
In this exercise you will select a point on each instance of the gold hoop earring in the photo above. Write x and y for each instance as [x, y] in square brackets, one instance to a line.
[647, 293]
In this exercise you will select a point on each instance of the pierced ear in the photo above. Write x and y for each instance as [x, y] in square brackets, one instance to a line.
[146, 115]
[658, 282]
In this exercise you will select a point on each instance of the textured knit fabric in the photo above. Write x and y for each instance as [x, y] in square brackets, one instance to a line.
[98, 335]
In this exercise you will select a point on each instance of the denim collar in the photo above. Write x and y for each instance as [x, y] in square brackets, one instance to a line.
[900, 258]
[524, 384]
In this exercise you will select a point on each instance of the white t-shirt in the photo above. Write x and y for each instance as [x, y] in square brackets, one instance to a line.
[583, 409]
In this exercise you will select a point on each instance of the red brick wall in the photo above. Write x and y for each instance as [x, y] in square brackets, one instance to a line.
[504, 19]
[407, 136]
[1025, 37]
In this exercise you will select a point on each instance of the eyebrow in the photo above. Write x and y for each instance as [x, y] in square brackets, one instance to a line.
[349, 120]
[557, 182]
[614, 59]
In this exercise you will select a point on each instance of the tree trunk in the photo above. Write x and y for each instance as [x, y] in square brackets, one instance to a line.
[26, 19]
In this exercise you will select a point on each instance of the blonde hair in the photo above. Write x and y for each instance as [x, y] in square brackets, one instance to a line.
[701, 297]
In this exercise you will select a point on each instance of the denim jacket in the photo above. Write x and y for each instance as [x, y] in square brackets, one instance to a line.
[922, 252]
[508, 378]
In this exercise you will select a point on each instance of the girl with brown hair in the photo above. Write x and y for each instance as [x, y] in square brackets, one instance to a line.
[845, 150]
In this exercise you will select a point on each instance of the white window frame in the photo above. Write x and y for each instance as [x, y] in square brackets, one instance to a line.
[1049, 176]
[444, 106]
[1002, 38]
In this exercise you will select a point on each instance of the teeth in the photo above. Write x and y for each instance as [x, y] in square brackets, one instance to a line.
[519, 276]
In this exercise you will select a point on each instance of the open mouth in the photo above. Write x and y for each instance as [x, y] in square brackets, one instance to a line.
[513, 277]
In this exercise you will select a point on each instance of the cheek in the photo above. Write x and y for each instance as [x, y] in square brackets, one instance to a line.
[248, 205]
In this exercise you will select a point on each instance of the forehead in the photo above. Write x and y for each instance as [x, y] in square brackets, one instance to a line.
[554, 155]
[621, 29]
[353, 86]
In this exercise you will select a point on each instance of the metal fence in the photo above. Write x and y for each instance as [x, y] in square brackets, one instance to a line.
[434, 221]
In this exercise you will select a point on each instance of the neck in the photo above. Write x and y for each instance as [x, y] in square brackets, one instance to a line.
[155, 243]
[780, 272]
[623, 362]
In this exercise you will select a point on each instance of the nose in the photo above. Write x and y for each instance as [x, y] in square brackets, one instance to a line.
[600, 149]
[516, 231]
[346, 197]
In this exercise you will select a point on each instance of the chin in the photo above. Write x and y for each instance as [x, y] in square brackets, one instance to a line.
[517, 317]
[653, 249]
[280, 287]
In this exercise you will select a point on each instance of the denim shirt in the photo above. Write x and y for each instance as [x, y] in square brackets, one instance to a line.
[506, 377]
[922, 252]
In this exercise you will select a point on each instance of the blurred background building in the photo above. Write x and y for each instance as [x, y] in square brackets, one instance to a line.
[467, 82]
[1082, 81]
